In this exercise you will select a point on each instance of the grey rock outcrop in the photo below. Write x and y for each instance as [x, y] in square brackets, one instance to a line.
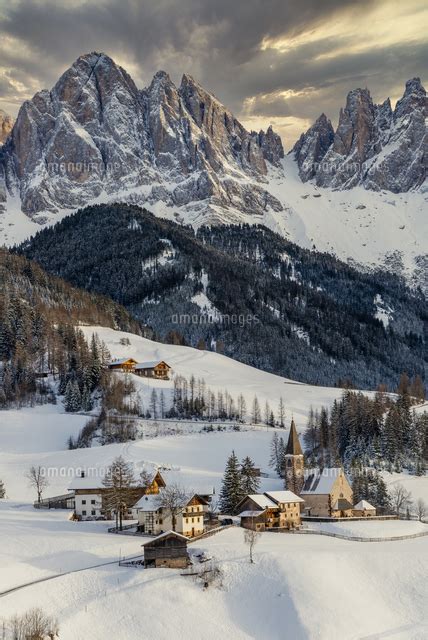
[372, 146]
[96, 135]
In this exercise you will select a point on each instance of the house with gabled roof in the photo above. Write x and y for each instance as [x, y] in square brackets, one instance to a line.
[122, 364]
[157, 369]
[167, 550]
[89, 493]
[154, 519]
[364, 509]
[270, 510]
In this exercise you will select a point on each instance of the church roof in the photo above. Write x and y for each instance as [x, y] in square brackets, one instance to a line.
[321, 482]
[293, 444]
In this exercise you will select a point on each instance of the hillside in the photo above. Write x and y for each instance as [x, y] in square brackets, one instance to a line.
[248, 291]
[37, 317]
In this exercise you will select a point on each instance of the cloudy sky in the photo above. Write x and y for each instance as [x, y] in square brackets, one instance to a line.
[271, 61]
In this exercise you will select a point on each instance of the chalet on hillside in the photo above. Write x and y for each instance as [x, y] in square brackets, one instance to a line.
[270, 510]
[155, 369]
[123, 364]
[168, 550]
[327, 493]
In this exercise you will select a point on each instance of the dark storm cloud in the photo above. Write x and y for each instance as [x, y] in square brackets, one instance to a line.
[218, 41]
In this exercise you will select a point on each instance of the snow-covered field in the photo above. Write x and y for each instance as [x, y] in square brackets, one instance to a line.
[309, 587]
[300, 587]
[219, 372]
[371, 528]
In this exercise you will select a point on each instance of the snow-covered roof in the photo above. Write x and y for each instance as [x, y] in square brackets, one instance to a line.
[93, 478]
[283, 496]
[251, 514]
[321, 482]
[363, 504]
[121, 361]
[262, 500]
[150, 365]
[149, 502]
[164, 535]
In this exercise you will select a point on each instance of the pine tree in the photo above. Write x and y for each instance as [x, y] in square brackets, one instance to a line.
[250, 482]
[231, 490]
[2, 489]
[72, 400]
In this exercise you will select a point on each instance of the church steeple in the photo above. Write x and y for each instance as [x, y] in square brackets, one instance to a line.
[294, 471]
[293, 444]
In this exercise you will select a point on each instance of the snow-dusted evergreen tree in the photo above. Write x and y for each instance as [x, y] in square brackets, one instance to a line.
[231, 489]
[72, 399]
[2, 489]
[250, 482]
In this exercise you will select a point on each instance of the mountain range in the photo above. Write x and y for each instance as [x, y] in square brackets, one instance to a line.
[95, 137]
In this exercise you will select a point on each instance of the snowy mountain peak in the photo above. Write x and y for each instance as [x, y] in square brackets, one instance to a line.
[95, 135]
[372, 146]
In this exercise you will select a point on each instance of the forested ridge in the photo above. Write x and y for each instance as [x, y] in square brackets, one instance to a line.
[38, 335]
[269, 303]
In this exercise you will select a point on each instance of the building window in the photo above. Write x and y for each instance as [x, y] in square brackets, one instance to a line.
[83, 501]
[92, 501]
[83, 513]
[193, 520]
[93, 512]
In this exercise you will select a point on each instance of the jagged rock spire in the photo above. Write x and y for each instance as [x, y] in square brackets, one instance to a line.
[293, 445]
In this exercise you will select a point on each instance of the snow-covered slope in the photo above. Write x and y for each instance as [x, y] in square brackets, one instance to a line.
[300, 587]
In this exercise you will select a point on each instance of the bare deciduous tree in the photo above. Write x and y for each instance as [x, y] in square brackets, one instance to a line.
[421, 509]
[34, 625]
[400, 498]
[37, 479]
[173, 499]
[120, 489]
[251, 537]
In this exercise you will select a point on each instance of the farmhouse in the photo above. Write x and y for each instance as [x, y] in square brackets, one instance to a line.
[89, 491]
[156, 369]
[122, 364]
[155, 519]
[270, 510]
[327, 493]
[168, 550]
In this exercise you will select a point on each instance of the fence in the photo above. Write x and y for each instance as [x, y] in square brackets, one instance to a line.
[357, 538]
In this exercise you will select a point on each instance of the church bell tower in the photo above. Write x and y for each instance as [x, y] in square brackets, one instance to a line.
[294, 468]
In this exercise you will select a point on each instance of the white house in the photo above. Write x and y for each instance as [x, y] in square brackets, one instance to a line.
[154, 519]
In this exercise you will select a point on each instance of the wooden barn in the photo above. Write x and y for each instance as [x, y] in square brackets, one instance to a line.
[123, 364]
[168, 550]
[156, 369]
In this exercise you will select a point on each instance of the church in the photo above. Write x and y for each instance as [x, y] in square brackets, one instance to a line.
[326, 492]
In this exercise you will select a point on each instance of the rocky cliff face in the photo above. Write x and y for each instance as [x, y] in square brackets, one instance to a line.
[372, 146]
[6, 124]
[96, 135]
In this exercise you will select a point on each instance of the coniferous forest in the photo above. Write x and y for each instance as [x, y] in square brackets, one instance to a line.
[244, 291]
[39, 335]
